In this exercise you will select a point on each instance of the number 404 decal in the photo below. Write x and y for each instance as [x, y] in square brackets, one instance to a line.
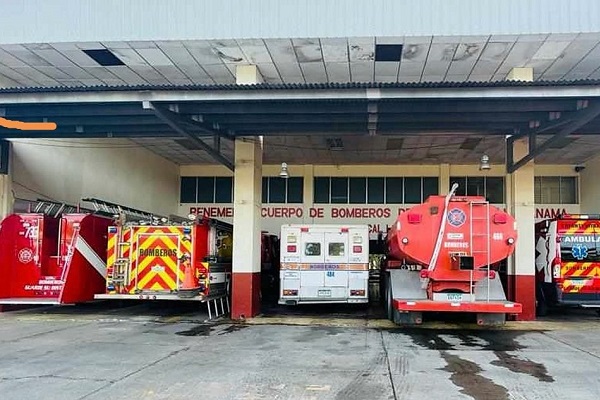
[330, 274]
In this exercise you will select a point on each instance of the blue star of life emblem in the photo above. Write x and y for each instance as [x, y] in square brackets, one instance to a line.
[579, 251]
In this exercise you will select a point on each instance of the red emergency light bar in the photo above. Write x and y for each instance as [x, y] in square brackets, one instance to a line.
[344, 230]
[580, 216]
[304, 229]
[291, 248]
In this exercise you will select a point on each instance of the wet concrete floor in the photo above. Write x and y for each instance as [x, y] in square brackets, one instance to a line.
[164, 351]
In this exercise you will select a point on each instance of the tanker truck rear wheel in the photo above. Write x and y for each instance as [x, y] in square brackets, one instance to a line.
[389, 300]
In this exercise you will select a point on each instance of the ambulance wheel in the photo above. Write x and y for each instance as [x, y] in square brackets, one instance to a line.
[541, 306]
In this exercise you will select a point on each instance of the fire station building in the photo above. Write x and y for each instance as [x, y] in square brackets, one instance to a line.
[261, 113]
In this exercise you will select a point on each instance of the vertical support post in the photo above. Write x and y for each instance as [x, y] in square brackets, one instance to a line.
[247, 195]
[308, 196]
[444, 181]
[6, 193]
[521, 273]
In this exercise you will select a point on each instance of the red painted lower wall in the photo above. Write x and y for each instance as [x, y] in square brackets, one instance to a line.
[245, 295]
[521, 289]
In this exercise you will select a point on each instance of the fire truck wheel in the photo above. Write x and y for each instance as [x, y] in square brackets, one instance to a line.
[389, 306]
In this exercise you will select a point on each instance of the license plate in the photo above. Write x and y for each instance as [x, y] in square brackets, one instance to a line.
[454, 296]
[324, 293]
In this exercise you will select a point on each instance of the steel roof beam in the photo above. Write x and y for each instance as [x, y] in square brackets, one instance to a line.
[16, 134]
[167, 117]
[201, 126]
[300, 94]
[587, 114]
[73, 110]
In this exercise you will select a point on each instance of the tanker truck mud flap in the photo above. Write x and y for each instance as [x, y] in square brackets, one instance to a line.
[406, 286]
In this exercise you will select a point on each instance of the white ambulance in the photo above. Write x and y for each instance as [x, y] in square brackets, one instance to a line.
[324, 264]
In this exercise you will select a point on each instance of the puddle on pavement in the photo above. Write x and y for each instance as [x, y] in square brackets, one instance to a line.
[521, 366]
[465, 373]
[208, 330]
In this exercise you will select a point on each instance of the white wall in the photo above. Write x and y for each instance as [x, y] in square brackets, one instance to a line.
[114, 170]
[590, 187]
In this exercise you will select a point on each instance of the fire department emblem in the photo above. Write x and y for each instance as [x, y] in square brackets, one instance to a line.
[25, 255]
[579, 251]
[456, 217]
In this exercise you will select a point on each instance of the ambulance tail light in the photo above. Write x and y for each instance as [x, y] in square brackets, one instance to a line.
[291, 248]
[556, 271]
[357, 249]
[414, 218]
[357, 293]
[290, 292]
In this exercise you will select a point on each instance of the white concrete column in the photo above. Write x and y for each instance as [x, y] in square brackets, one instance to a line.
[520, 74]
[248, 75]
[6, 196]
[444, 181]
[247, 203]
[521, 276]
[589, 187]
[309, 190]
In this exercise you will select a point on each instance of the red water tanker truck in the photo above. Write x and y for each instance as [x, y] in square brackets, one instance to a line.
[440, 256]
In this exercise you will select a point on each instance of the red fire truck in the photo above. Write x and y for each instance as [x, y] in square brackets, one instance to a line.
[568, 262]
[440, 257]
[52, 259]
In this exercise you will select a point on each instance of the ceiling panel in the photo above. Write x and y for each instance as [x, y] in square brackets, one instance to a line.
[572, 54]
[129, 56]
[128, 75]
[25, 57]
[147, 73]
[255, 51]
[228, 51]
[361, 49]
[314, 71]
[269, 73]
[519, 55]
[219, 73]
[202, 52]
[307, 50]
[335, 50]
[362, 71]
[338, 71]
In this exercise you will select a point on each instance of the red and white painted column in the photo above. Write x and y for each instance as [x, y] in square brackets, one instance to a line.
[247, 204]
[247, 227]
[521, 271]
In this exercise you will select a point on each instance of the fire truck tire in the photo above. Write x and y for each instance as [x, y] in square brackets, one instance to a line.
[389, 301]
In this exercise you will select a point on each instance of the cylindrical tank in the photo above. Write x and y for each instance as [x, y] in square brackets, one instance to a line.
[466, 231]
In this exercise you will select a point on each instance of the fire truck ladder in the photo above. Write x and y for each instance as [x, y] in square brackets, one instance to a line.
[120, 271]
[117, 209]
[54, 208]
[477, 235]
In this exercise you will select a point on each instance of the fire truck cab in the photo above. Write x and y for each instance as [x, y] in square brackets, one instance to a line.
[324, 264]
[568, 262]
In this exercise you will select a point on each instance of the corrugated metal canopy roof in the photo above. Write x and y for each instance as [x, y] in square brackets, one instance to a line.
[308, 86]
